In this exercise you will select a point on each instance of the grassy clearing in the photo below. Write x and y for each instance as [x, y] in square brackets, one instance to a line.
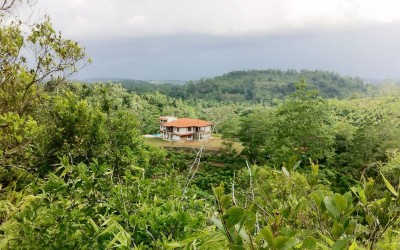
[212, 144]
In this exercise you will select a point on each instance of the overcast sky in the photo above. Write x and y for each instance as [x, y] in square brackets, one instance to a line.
[191, 39]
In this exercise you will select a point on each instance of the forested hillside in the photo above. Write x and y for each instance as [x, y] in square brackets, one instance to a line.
[257, 86]
[75, 173]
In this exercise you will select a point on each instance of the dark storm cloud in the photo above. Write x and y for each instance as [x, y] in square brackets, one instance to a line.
[181, 39]
[370, 52]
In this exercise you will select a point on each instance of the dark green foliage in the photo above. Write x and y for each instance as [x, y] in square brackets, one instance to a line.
[212, 175]
[300, 126]
[257, 86]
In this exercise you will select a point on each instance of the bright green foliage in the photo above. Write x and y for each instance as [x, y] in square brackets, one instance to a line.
[319, 219]
[20, 137]
[53, 57]
[85, 206]
[30, 56]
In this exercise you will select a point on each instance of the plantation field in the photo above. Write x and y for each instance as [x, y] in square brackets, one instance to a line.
[213, 144]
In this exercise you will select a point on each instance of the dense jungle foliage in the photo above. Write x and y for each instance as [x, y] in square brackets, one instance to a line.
[256, 86]
[75, 173]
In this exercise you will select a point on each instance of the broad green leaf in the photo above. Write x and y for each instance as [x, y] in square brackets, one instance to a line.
[219, 191]
[268, 236]
[233, 216]
[389, 186]
[309, 243]
[291, 243]
[317, 197]
[280, 241]
[288, 232]
[250, 220]
[330, 206]
[340, 202]
[351, 227]
[218, 224]
[337, 229]
[226, 200]
[349, 199]
[363, 197]
[242, 234]
[340, 244]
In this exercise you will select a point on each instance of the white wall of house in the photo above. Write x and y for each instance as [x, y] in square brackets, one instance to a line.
[181, 130]
[176, 138]
[176, 132]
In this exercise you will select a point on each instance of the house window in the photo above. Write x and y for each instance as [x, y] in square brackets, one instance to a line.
[189, 129]
[177, 129]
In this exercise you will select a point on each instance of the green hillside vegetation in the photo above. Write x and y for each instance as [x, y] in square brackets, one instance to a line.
[76, 172]
[257, 86]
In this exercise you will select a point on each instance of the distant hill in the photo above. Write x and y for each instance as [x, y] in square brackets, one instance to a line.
[175, 82]
[259, 86]
[102, 79]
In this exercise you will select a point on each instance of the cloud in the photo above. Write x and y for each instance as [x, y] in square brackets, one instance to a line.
[190, 39]
[142, 18]
[370, 52]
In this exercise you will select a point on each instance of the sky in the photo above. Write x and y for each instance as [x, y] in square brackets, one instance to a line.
[192, 39]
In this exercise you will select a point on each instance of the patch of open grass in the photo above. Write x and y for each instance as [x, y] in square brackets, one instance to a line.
[212, 144]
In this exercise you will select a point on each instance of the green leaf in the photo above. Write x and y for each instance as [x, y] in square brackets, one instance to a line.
[250, 220]
[284, 170]
[353, 245]
[340, 202]
[340, 244]
[218, 224]
[349, 199]
[317, 197]
[233, 216]
[309, 243]
[268, 236]
[280, 241]
[327, 239]
[291, 243]
[243, 235]
[94, 225]
[314, 168]
[330, 206]
[389, 186]
[351, 227]
[337, 229]
[296, 165]
[226, 200]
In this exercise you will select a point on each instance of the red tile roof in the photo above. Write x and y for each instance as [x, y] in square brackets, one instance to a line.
[187, 122]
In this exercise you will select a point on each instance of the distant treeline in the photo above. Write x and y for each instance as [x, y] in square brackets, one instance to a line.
[257, 86]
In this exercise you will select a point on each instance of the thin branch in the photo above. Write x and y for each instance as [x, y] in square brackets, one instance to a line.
[233, 189]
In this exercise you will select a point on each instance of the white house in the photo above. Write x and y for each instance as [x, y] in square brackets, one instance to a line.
[184, 129]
